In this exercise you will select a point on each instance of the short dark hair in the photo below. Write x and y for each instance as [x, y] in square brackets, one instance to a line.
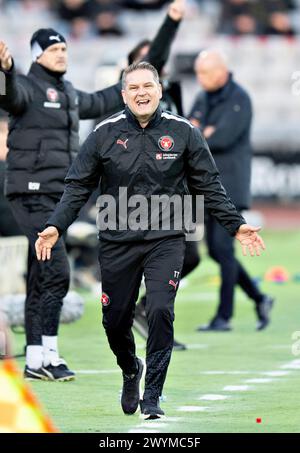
[135, 53]
[137, 66]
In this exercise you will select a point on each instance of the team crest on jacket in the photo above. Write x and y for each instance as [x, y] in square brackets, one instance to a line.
[105, 300]
[52, 95]
[166, 143]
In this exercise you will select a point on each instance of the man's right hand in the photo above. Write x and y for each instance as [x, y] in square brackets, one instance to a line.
[46, 241]
[5, 57]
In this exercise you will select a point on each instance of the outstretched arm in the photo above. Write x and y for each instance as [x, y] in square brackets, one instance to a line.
[18, 94]
[161, 45]
[82, 179]
[94, 105]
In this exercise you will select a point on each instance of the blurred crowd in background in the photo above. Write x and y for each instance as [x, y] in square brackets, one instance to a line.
[83, 18]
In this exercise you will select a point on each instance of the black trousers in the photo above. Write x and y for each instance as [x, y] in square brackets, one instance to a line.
[190, 262]
[221, 249]
[47, 282]
[191, 257]
[122, 267]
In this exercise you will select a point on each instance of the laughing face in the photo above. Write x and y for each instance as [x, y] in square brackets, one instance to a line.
[142, 93]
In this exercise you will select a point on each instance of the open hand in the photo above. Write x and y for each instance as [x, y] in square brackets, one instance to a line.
[250, 240]
[5, 57]
[46, 241]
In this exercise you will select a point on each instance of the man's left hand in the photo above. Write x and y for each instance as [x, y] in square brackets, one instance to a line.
[177, 9]
[208, 131]
[250, 240]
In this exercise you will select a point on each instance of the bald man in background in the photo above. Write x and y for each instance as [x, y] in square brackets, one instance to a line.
[223, 112]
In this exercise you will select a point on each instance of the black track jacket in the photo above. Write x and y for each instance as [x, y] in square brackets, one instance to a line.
[169, 157]
[43, 128]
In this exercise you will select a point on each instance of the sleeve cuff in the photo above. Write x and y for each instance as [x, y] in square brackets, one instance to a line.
[60, 232]
[11, 71]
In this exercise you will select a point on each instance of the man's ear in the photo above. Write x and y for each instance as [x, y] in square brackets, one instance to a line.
[160, 91]
[124, 96]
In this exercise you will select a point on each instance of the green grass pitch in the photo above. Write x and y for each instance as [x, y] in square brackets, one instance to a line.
[91, 402]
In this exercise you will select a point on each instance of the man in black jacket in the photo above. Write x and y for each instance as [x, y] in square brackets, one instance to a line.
[157, 52]
[43, 135]
[148, 153]
[223, 112]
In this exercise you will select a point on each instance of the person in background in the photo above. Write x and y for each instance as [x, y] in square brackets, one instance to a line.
[223, 112]
[122, 152]
[151, 51]
[45, 110]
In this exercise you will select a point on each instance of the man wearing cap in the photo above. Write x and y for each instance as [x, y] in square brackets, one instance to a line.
[43, 135]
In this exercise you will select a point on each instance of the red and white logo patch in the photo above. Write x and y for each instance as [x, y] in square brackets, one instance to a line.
[105, 300]
[159, 156]
[52, 95]
[172, 283]
[166, 143]
[122, 142]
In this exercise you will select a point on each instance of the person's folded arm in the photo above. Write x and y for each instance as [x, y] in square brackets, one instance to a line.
[19, 92]
[232, 125]
[203, 179]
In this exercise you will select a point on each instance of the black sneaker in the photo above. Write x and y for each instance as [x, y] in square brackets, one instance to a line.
[57, 370]
[150, 410]
[216, 325]
[131, 390]
[178, 346]
[31, 374]
[263, 312]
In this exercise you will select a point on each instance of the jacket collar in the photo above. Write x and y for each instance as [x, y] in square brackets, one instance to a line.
[154, 121]
[45, 74]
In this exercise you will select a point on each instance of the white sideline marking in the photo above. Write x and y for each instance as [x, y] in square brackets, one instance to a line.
[152, 424]
[197, 346]
[96, 371]
[173, 419]
[293, 365]
[227, 372]
[279, 346]
[213, 397]
[143, 431]
[236, 388]
[276, 373]
[260, 380]
[192, 408]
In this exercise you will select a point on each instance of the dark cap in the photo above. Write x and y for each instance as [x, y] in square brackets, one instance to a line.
[42, 39]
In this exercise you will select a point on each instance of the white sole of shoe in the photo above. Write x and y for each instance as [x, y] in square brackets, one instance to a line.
[36, 377]
[63, 379]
